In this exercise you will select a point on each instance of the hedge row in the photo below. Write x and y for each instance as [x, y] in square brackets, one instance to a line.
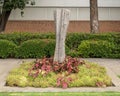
[19, 37]
[72, 41]
[96, 48]
[36, 45]
[36, 48]
[7, 48]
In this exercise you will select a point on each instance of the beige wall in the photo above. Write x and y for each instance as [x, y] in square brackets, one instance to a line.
[76, 14]
[75, 3]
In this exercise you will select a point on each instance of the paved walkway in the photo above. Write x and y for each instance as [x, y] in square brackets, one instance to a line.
[112, 66]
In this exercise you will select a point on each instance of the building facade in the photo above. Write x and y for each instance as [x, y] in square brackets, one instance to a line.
[40, 18]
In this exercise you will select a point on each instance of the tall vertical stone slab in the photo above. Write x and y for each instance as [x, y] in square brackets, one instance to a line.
[61, 17]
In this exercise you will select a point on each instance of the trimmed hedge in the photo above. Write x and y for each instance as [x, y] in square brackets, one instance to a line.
[31, 49]
[74, 39]
[95, 48]
[27, 46]
[20, 37]
[37, 48]
[7, 48]
[49, 48]
[116, 52]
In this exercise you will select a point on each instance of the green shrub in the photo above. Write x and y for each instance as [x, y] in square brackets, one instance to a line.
[73, 40]
[7, 48]
[28, 36]
[20, 37]
[116, 52]
[14, 37]
[116, 37]
[50, 48]
[31, 49]
[95, 48]
[37, 48]
[73, 53]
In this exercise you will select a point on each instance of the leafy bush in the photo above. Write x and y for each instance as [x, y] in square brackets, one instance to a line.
[37, 48]
[74, 39]
[19, 37]
[49, 48]
[7, 48]
[73, 53]
[116, 52]
[95, 48]
[116, 37]
[31, 49]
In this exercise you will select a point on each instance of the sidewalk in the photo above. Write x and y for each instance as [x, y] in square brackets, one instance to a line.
[112, 66]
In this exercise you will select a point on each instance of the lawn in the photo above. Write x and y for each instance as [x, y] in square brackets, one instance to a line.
[62, 94]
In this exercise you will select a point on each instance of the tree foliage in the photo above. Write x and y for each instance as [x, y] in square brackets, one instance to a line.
[13, 4]
[6, 6]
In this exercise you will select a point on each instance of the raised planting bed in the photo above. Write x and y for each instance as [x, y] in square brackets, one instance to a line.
[72, 72]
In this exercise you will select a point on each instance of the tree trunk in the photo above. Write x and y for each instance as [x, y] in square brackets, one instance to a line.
[62, 21]
[3, 20]
[94, 24]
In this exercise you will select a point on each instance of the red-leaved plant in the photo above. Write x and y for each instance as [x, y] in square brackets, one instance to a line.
[63, 81]
[70, 65]
[46, 65]
[41, 66]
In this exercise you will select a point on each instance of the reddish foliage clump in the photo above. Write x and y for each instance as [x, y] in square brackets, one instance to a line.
[41, 66]
[70, 65]
[46, 65]
[63, 81]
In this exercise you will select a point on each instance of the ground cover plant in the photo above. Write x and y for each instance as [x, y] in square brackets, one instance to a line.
[72, 72]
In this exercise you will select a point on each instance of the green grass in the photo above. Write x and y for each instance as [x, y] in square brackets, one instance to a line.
[63, 94]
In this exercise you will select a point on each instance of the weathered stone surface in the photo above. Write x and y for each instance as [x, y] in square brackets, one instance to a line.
[61, 21]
